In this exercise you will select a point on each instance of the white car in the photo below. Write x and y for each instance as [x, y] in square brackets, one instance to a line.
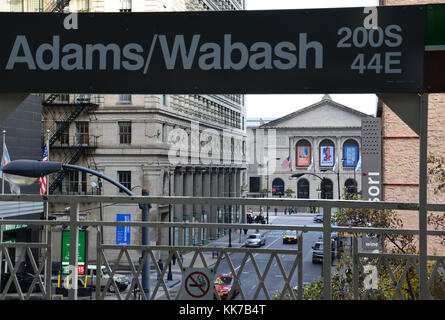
[122, 281]
[255, 240]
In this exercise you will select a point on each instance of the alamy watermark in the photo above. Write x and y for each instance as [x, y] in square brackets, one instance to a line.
[208, 146]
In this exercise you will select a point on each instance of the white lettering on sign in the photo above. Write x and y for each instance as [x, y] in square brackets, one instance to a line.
[178, 53]
[374, 189]
[373, 36]
[187, 52]
[370, 281]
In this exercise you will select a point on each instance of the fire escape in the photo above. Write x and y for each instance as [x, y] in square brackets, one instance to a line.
[67, 150]
[62, 146]
[57, 6]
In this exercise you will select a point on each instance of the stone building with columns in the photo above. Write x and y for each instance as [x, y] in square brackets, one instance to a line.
[133, 139]
[321, 141]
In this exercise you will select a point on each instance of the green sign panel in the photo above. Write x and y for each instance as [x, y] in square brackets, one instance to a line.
[10, 227]
[66, 252]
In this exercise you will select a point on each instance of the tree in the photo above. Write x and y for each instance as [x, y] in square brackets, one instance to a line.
[436, 172]
[289, 192]
[405, 274]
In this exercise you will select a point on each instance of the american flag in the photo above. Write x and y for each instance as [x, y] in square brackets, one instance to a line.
[43, 180]
[285, 163]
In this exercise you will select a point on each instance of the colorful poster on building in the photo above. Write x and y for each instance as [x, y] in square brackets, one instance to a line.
[351, 156]
[303, 156]
[326, 156]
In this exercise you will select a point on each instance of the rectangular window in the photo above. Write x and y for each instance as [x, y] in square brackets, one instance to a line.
[124, 99]
[124, 132]
[82, 133]
[74, 182]
[164, 100]
[82, 5]
[254, 184]
[35, 6]
[63, 130]
[124, 178]
[82, 98]
[16, 5]
[62, 98]
[125, 6]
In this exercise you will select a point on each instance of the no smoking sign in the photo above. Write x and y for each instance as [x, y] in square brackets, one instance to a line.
[197, 284]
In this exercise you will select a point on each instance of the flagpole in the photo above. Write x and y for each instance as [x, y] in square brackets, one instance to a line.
[3, 156]
[46, 208]
[47, 185]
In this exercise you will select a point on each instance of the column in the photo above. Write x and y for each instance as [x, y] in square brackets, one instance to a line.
[233, 193]
[213, 214]
[220, 193]
[238, 194]
[188, 208]
[205, 211]
[227, 193]
[178, 209]
[197, 211]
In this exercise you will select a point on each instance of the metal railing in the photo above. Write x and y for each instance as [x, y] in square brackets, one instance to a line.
[199, 255]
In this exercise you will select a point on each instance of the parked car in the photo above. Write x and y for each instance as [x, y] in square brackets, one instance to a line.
[122, 281]
[290, 236]
[24, 279]
[317, 252]
[255, 240]
[224, 286]
[318, 218]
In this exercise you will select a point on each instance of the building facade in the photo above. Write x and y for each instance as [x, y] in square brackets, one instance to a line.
[400, 153]
[320, 143]
[134, 139]
[22, 129]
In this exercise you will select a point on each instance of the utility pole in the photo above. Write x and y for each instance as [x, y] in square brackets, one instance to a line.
[145, 242]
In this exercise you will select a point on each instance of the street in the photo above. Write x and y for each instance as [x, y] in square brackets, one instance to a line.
[274, 281]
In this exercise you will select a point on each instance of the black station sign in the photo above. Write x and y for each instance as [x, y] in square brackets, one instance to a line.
[344, 50]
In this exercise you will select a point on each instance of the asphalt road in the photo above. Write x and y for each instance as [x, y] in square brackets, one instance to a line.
[274, 280]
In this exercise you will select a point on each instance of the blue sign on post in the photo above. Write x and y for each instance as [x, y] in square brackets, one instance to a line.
[123, 232]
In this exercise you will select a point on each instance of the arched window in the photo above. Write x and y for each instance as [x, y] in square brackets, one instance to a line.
[303, 153]
[327, 189]
[327, 153]
[350, 153]
[278, 187]
[303, 189]
[351, 186]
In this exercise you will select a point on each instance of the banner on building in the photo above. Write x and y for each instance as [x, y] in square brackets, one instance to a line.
[326, 156]
[351, 156]
[303, 156]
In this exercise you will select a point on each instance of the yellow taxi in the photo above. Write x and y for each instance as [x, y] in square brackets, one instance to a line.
[290, 236]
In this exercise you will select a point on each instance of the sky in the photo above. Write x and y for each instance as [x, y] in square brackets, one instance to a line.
[274, 106]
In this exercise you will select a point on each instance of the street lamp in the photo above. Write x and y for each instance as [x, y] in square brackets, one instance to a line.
[27, 171]
[338, 178]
